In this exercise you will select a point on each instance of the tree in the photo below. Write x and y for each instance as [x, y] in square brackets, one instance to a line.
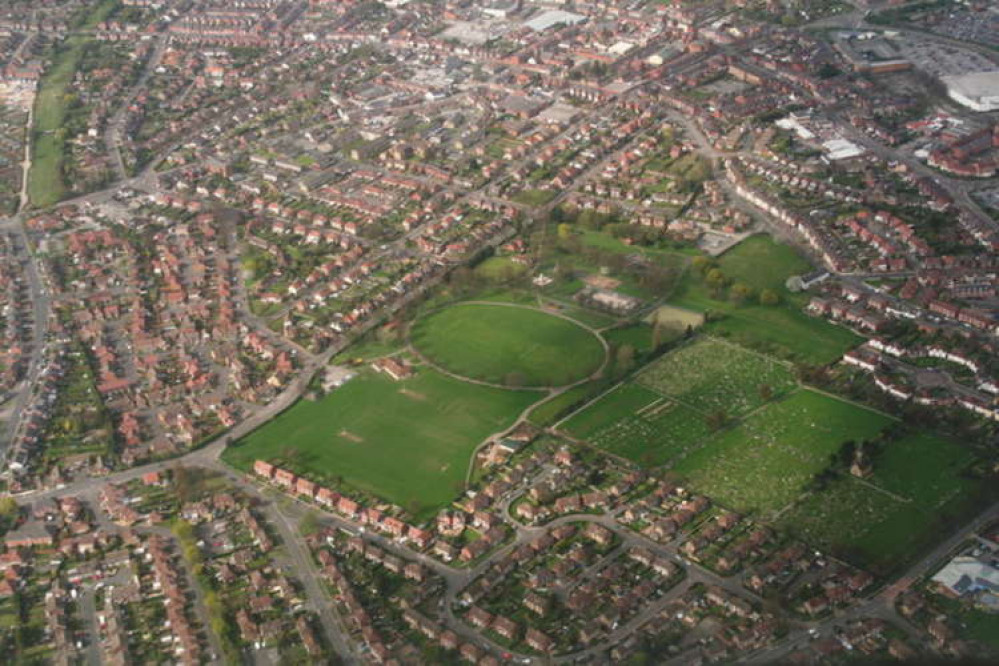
[462, 278]
[590, 219]
[766, 392]
[701, 264]
[8, 508]
[625, 358]
[717, 419]
[184, 531]
[769, 297]
[564, 231]
[846, 453]
[659, 279]
[740, 293]
[657, 335]
[564, 270]
[715, 278]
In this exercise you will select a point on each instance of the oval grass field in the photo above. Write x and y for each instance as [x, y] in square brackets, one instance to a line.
[514, 346]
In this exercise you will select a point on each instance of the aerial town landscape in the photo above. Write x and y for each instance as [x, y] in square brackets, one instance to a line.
[499, 331]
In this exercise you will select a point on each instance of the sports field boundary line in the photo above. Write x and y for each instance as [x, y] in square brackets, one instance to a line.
[558, 424]
[589, 329]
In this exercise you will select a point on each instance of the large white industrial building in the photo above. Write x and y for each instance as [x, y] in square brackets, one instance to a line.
[978, 91]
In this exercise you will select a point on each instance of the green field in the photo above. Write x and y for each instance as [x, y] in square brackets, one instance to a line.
[408, 442]
[45, 182]
[45, 179]
[625, 399]
[534, 197]
[783, 329]
[711, 375]
[638, 336]
[639, 424]
[762, 263]
[548, 412]
[515, 346]
[762, 465]
[916, 493]
[500, 269]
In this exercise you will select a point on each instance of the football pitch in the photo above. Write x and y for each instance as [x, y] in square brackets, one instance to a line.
[508, 345]
[408, 442]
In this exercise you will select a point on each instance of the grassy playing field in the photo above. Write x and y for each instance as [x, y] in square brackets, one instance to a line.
[711, 375]
[916, 492]
[508, 345]
[45, 179]
[639, 424]
[761, 263]
[409, 442]
[763, 464]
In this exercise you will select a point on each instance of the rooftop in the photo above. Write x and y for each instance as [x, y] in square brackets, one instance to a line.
[552, 18]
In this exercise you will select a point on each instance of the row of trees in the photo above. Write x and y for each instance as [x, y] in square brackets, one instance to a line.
[721, 286]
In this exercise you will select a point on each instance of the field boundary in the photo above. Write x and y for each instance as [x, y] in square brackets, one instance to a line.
[848, 401]
[519, 306]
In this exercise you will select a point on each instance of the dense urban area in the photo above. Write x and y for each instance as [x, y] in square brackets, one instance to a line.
[499, 331]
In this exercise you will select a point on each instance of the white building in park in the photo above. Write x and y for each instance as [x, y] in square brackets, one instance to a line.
[978, 91]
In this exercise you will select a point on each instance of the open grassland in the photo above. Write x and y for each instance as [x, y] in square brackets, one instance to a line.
[712, 375]
[408, 442]
[45, 179]
[762, 465]
[639, 424]
[925, 468]
[762, 263]
[918, 491]
[625, 399]
[783, 329]
[548, 412]
[500, 269]
[508, 345]
[637, 336]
